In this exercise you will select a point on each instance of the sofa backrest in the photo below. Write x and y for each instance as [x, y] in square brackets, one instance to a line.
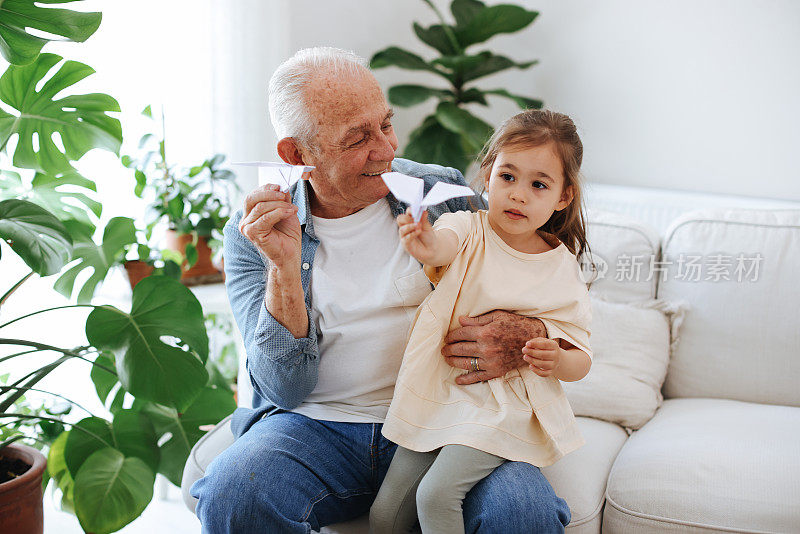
[740, 337]
[621, 250]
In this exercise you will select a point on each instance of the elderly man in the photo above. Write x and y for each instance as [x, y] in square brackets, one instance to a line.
[324, 296]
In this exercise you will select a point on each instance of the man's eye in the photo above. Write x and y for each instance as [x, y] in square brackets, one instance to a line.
[539, 185]
[386, 127]
[359, 142]
[507, 177]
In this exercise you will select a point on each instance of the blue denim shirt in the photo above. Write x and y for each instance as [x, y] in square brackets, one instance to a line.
[282, 369]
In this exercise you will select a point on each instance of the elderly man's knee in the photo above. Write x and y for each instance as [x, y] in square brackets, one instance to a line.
[516, 497]
[239, 484]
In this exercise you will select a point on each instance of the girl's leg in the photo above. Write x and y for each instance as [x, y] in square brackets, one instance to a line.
[440, 494]
[394, 510]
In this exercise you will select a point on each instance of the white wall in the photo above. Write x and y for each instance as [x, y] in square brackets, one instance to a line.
[688, 95]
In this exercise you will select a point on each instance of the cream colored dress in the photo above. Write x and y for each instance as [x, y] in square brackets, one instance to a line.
[520, 416]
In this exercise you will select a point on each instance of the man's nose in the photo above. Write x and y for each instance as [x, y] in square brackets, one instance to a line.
[383, 149]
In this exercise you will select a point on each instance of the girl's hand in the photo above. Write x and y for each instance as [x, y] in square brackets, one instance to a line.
[418, 238]
[543, 355]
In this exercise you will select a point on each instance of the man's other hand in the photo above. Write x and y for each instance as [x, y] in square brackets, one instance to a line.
[269, 221]
[495, 338]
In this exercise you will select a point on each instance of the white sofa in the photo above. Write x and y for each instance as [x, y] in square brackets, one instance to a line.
[722, 453]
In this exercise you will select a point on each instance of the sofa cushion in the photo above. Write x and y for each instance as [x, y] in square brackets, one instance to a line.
[704, 464]
[631, 347]
[620, 246]
[580, 477]
[740, 338]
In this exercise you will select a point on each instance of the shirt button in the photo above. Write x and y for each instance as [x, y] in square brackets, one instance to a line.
[306, 266]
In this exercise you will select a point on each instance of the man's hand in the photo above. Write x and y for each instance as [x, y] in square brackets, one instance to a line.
[269, 221]
[495, 339]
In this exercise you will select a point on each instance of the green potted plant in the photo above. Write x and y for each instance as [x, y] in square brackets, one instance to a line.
[452, 135]
[23, 473]
[193, 202]
[149, 364]
[140, 260]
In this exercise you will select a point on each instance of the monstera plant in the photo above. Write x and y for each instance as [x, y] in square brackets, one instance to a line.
[452, 135]
[149, 364]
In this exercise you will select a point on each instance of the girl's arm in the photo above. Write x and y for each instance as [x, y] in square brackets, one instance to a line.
[558, 358]
[431, 247]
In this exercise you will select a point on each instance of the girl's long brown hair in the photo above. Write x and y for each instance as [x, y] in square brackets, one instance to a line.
[534, 127]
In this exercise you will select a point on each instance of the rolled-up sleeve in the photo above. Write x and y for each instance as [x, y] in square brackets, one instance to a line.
[282, 369]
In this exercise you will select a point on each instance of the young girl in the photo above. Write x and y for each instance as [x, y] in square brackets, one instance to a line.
[519, 256]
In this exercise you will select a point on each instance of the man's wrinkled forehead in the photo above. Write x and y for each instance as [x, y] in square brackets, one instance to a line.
[340, 103]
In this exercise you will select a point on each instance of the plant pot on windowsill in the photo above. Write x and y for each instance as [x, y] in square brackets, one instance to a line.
[137, 270]
[21, 497]
[203, 271]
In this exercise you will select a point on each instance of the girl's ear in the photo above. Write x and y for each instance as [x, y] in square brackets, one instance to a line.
[566, 197]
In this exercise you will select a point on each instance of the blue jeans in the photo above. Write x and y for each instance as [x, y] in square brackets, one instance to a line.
[289, 473]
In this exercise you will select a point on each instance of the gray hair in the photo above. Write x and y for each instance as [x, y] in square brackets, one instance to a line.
[288, 109]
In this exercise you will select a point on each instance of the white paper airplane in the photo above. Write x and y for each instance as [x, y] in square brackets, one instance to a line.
[283, 174]
[410, 190]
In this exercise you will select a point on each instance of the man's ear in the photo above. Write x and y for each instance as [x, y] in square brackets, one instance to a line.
[290, 152]
[566, 197]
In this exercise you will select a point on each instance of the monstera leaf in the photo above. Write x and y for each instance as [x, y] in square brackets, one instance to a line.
[57, 195]
[20, 47]
[209, 408]
[131, 433]
[80, 121]
[39, 238]
[111, 490]
[147, 366]
[119, 231]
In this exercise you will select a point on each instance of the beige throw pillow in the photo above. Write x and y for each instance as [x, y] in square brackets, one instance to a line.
[631, 348]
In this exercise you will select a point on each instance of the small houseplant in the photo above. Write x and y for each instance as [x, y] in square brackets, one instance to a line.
[453, 136]
[140, 260]
[193, 202]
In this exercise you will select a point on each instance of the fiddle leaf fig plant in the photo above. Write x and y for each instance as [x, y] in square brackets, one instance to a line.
[453, 135]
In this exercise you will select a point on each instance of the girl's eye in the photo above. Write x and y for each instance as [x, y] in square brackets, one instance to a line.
[538, 185]
[507, 177]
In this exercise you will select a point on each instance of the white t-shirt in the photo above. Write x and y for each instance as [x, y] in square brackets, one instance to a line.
[365, 289]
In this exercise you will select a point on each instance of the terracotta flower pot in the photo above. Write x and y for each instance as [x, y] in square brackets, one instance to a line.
[21, 497]
[137, 270]
[202, 272]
